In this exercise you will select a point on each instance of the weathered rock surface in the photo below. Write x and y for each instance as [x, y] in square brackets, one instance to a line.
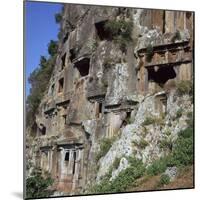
[103, 89]
[171, 172]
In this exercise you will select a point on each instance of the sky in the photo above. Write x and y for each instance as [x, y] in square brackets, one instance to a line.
[40, 28]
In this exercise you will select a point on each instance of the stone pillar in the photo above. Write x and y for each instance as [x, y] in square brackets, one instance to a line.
[145, 89]
[76, 172]
[185, 71]
[62, 157]
[169, 21]
[55, 163]
[42, 160]
[50, 160]
[96, 105]
[70, 165]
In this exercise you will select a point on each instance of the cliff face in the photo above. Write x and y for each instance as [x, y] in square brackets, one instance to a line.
[105, 85]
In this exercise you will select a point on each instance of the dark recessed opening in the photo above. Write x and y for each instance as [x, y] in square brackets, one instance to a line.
[63, 61]
[128, 115]
[100, 108]
[52, 89]
[61, 85]
[66, 37]
[42, 129]
[83, 66]
[102, 32]
[67, 156]
[188, 14]
[74, 165]
[162, 75]
[72, 54]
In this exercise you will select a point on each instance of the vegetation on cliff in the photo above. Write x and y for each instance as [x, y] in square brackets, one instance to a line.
[125, 178]
[37, 185]
[181, 155]
[120, 31]
[39, 80]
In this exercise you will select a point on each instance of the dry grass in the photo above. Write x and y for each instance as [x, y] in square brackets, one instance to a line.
[183, 180]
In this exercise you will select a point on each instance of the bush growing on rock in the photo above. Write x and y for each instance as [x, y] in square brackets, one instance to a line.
[190, 120]
[120, 31]
[157, 167]
[148, 121]
[185, 87]
[39, 80]
[179, 113]
[105, 145]
[181, 154]
[37, 185]
[183, 151]
[166, 144]
[177, 36]
[116, 163]
[141, 144]
[125, 178]
[58, 17]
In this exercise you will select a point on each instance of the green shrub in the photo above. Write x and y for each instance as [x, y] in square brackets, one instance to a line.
[185, 87]
[157, 167]
[148, 121]
[125, 178]
[143, 143]
[37, 186]
[59, 35]
[58, 18]
[181, 155]
[153, 120]
[166, 144]
[190, 114]
[149, 53]
[39, 80]
[116, 162]
[164, 180]
[183, 148]
[119, 27]
[52, 48]
[179, 113]
[190, 120]
[167, 132]
[120, 31]
[186, 133]
[105, 145]
[177, 36]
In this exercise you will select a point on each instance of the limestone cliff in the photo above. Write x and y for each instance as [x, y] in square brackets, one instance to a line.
[116, 68]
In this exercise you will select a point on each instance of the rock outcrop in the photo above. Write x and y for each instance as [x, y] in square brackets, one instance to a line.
[105, 85]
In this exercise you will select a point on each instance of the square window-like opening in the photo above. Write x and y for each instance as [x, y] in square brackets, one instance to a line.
[42, 129]
[102, 32]
[83, 66]
[162, 75]
[100, 108]
[67, 156]
[61, 85]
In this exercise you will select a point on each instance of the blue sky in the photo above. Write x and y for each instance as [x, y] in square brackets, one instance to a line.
[40, 28]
